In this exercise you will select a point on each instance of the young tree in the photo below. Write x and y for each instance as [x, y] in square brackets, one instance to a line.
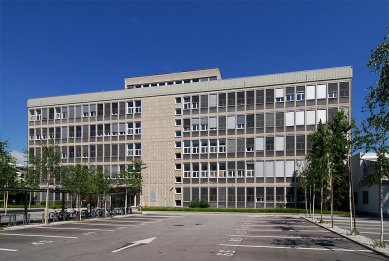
[317, 166]
[102, 184]
[8, 172]
[374, 133]
[338, 148]
[31, 180]
[79, 181]
[47, 167]
[131, 178]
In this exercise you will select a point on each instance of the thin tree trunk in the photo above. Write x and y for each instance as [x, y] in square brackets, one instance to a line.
[350, 198]
[47, 202]
[313, 203]
[125, 201]
[382, 210]
[105, 206]
[6, 203]
[332, 201]
[79, 205]
[310, 202]
[306, 202]
[30, 199]
[321, 201]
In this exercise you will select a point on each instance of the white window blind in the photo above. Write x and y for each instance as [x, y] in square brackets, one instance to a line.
[122, 127]
[321, 91]
[212, 122]
[259, 169]
[310, 92]
[212, 100]
[85, 108]
[269, 169]
[231, 122]
[311, 117]
[115, 127]
[259, 144]
[321, 115]
[280, 93]
[280, 143]
[289, 168]
[280, 168]
[289, 118]
[299, 117]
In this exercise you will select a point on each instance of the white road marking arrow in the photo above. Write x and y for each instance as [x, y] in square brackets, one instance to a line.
[136, 243]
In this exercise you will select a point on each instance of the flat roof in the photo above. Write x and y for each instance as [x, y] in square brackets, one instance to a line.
[174, 76]
[299, 77]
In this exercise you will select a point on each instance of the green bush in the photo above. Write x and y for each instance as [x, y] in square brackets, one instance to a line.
[198, 204]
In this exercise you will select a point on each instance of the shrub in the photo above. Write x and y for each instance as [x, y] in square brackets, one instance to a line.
[198, 204]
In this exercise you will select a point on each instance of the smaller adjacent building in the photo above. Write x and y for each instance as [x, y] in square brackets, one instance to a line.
[367, 198]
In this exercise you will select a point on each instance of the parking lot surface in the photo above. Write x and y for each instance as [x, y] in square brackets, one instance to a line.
[182, 236]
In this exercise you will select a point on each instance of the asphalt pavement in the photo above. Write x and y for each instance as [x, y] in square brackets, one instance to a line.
[182, 236]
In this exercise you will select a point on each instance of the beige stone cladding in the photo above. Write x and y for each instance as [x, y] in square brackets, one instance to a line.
[158, 150]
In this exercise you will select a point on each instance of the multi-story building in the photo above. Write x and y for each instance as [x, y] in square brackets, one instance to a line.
[235, 142]
[367, 198]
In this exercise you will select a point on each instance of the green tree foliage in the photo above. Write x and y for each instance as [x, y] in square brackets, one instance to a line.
[47, 169]
[317, 167]
[131, 179]
[79, 181]
[102, 183]
[8, 172]
[374, 133]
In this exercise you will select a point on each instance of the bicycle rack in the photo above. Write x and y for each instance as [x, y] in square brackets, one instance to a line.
[26, 221]
[12, 220]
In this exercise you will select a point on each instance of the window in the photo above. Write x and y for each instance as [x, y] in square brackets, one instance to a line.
[178, 156]
[240, 122]
[186, 171]
[213, 146]
[222, 146]
[137, 129]
[213, 123]
[178, 133]
[178, 100]
[204, 124]
[250, 170]
[138, 149]
[321, 91]
[300, 96]
[130, 150]
[332, 95]
[344, 89]
[130, 107]
[178, 122]
[280, 95]
[365, 197]
[186, 147]
[204, 147]
[178, 179]
[138, 106]
[178, 190]
[178, 144]
[195, 124]
[178, 111]
[289, 97]
[195, 147]
[186, 103]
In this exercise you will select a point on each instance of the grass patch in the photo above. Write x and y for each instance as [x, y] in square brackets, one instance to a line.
[236, 210]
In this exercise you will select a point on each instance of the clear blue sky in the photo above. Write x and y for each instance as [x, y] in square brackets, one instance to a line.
[51, 48]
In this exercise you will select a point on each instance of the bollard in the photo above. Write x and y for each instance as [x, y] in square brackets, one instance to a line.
[26, 221]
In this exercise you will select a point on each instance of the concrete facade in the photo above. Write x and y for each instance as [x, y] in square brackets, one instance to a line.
[234, 142]
[367, 198]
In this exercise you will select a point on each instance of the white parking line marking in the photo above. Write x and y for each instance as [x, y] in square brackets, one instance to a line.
[9, 250]
[33, 235]
[76, 228]
[106, 224]
[302, 248]
[287, 230]
[291, 237]
[126, 221]
[276, 226]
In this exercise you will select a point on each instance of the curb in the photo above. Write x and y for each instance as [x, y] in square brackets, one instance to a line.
[351, 239]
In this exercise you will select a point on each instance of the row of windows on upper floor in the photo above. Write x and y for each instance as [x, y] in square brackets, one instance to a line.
[85, 131]
[241, 169]
[97, 150]
[155, 84]
[268, 96]
[259, 120]
[86, 110]
[240, 146]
